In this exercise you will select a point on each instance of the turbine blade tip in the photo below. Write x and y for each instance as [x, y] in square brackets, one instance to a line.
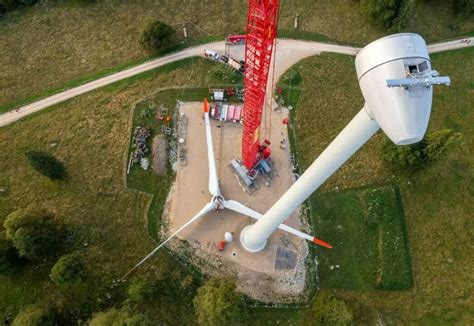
[321, 243]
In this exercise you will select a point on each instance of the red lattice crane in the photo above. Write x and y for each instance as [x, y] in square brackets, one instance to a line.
[262, 19]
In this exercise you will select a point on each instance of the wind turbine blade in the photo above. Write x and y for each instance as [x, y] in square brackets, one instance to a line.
[244, 210]
[211, 161]
[206, 209]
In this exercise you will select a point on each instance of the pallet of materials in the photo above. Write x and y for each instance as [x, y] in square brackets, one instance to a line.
[225, 107]
[217, 111]
[237, 113]
[230, 113]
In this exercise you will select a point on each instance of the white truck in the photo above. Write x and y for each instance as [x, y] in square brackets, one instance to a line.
[211, 55]
[239, 66]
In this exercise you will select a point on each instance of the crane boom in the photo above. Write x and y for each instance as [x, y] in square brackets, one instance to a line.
[262, 19]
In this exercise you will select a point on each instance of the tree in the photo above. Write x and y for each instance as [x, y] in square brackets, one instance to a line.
[46, 164]
[388, 13]
[34, 315]
[34, 234]
[8, 255]
[157, 36]
[69, 269]
[429, 149]
[464, 7]
[122, 317]
[7, 5]
[217, 303]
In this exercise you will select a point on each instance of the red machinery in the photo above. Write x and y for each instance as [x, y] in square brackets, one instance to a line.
[262, 19]
[235, 39]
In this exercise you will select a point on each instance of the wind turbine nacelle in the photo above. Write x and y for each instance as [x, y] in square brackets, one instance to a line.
[395, 77]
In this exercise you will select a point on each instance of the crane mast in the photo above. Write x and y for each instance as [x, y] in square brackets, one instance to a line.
[262, 19]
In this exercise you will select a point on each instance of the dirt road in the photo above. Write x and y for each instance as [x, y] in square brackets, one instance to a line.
[289, 52]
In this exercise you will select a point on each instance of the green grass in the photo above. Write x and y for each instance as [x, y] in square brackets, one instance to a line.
[367, 229]
[91, 133]
[437, 200]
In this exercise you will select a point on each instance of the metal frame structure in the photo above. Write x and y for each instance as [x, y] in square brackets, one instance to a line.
[262, 21]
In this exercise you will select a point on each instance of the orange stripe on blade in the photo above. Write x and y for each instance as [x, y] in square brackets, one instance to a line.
[321, 243]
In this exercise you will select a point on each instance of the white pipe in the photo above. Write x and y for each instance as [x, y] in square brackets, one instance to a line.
[361, 128]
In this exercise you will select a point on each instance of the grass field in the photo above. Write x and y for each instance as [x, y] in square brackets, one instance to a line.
[366, 226]
[437, 200]
[90, 134]
[54, 45]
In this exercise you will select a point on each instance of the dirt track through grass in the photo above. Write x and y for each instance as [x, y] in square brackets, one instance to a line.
[49, 46]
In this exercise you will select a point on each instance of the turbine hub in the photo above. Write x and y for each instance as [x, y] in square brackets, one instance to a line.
[219, 202]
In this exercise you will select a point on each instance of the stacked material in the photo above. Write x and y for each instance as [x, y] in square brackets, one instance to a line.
[140, 136]
[237, 113]
[226, 112]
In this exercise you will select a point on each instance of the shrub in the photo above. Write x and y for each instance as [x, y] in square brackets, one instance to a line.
[68, 269]
[140, 290]
[439, 142]
[46, 164]
[34, 234]
[388, 13]
[429, 149]
[122, 317]
[7, 5]
[217, 303]
[157, 36]
[464, 7]
[34, 315]
[8, 255]
[329, 310]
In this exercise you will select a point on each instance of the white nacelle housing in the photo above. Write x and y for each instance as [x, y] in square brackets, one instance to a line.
[402, 112]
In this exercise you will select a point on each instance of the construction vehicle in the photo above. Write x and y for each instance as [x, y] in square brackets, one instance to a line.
[212, 55]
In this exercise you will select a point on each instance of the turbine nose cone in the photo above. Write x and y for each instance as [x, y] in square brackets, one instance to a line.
[401, 110]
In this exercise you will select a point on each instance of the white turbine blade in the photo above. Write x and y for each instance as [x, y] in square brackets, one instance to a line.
[211, 161]
[209, 207]
[244, 210]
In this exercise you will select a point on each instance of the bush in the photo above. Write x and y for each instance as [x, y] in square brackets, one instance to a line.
[217, 303]
[122, 317]
[388, 13]
[46, 164]
[464, 7]
[141, 290]
[329, 310]
[33, 234]
[8, 255]
[68, 269]
[429, 149]
[157, 36]
[34, 315]
[7, 5]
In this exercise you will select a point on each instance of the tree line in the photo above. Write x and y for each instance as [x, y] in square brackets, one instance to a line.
[395, 14]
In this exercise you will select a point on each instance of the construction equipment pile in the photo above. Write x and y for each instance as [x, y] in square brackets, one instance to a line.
[140, 135]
